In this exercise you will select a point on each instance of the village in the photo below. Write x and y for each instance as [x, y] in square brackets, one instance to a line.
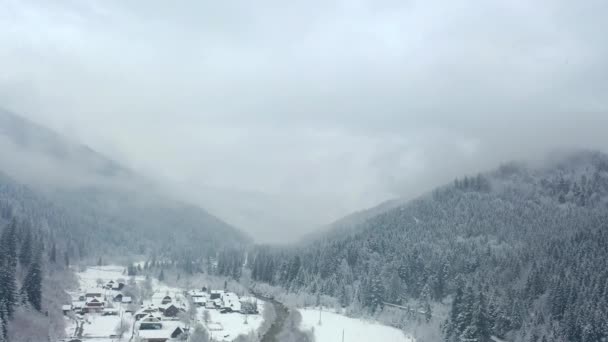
[108, 308]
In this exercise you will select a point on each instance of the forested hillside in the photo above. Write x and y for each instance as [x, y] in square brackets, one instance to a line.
[519, 253]
[92, 206]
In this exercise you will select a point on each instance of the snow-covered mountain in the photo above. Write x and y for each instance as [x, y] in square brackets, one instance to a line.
[518, 253]
[92, 203]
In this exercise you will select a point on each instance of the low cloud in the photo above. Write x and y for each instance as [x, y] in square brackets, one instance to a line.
[304, 112]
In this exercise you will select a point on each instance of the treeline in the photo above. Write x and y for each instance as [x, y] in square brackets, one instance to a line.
[90, 221]
[26, 293]
[515, 254]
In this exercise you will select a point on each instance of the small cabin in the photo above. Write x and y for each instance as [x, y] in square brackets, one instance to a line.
[118, 298]
[171, 311]
[118, 286]
[66, 309]
[166, 300]
[215, 294]
[93, 305]
[199, 301]
[150, 322]
[93, 293]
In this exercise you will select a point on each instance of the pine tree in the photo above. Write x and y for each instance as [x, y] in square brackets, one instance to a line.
[3, 331]
[25, 254]
[66, 259]
[8, 267]
[3, 320]
[53, 256]
[32, 284]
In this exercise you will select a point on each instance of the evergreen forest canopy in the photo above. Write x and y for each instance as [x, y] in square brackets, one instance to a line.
[518, 253]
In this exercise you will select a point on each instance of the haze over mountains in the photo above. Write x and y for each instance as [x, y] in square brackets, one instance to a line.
[518, 253]
[92, 202]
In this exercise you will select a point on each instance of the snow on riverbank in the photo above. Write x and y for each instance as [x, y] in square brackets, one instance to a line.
[355, 330]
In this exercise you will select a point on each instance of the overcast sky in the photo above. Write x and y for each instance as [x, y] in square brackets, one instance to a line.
[280, 116]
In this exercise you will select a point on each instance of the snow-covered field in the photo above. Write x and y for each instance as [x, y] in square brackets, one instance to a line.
[232, 324]
[355, 330]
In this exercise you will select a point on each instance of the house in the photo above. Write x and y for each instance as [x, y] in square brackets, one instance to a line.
[150, 322]
[91, 293]
[109, 285]
[170, 310]
[232, 306]
[93, 305]
[78, 305]
[66, 309]
[145, 312]
[127, 300]
[166, 331]
[199, 301]
[178, 331]
[166, 300]
[118, 286]
[118, 297]
[215, 294]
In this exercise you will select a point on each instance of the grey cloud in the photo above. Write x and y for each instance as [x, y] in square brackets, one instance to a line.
[317, 108]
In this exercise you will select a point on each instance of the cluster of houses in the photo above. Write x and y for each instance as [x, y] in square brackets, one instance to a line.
[224, 301]
[158, 321]
[97, 300]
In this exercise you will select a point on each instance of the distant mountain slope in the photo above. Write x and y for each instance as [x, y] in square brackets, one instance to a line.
[521, 252]
[93, 205]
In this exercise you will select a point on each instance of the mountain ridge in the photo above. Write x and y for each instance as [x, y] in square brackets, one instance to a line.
[91, 200]
[499, 244]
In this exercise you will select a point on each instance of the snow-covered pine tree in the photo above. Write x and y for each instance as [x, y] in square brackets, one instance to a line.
[25, 253]
[53, 254]
[32, 284]
[8, 267]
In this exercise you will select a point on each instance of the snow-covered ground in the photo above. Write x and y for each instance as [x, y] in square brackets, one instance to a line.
[355, 330]
[226, 327]
[100, 326]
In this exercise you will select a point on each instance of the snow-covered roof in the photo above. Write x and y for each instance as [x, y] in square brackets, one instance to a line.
[168, 327]
[127, 299]
[155, 334]
[66, 307]
[78, 304]
[235, 305]
[93, 300]
[94, 292]
[199, 300]
[151, 318]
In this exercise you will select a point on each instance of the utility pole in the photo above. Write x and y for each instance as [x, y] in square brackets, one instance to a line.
[320, 323]
[342, 335]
